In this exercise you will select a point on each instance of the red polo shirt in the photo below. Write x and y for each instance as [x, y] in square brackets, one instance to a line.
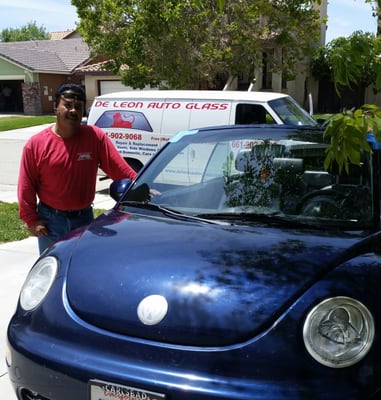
[62, 173]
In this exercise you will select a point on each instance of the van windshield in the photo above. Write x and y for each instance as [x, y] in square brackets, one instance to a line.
[289, 111]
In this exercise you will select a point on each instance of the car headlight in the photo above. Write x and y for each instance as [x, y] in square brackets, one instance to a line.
[338, 332]
[38, 283]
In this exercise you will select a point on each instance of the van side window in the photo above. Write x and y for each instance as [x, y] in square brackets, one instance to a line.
[252, 114]
[124, 119]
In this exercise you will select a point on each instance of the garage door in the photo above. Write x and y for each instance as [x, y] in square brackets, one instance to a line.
[116, 86]
[112, 86]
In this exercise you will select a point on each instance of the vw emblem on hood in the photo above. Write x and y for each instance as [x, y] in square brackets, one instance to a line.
[152, 309]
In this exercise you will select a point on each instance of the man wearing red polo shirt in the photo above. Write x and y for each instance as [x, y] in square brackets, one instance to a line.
[58, 170]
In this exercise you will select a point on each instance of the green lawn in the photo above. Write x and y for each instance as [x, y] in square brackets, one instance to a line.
[16, 122]
[11, 227]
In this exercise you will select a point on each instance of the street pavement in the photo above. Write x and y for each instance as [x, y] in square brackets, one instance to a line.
[16, 258]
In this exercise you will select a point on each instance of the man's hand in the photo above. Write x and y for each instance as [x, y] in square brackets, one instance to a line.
[38, 229]
[154, 192]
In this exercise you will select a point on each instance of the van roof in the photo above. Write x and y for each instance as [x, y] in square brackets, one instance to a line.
[195, 94]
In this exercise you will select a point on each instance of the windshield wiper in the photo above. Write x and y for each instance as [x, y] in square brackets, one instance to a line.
[170, 212]
[269, 218]
[295, 221]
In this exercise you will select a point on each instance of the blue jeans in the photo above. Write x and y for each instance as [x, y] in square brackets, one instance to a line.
[59, 225]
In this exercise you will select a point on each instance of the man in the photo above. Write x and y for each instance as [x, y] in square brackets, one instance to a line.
[59, 168]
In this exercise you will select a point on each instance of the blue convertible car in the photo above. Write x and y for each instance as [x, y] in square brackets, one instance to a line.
[235, 267]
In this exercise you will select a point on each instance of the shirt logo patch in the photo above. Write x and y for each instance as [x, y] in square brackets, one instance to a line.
[85, 156]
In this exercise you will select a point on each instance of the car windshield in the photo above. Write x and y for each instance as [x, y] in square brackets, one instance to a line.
[250, 172]
[291, 113]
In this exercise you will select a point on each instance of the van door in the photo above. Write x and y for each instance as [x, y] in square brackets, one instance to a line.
[175, 118]
[206, 113]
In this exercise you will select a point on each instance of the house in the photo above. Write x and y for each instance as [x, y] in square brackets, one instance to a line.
[31, 71]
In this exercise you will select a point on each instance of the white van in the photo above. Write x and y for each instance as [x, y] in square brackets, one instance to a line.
[140, 122]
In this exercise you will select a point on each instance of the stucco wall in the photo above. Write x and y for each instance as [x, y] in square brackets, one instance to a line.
[9, 71]
[48, 86]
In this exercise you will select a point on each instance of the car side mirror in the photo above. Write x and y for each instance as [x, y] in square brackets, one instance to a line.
[118, 188]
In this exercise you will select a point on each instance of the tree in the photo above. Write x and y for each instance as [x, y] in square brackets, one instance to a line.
[351, 61]
[348, 133]
[27, 32]
[183, 42]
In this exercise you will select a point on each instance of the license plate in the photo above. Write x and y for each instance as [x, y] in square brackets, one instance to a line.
[100, 390]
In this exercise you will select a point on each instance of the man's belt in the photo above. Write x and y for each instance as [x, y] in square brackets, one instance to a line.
[67, 213]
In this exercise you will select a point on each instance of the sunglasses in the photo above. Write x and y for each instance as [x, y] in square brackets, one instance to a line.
[72, 96]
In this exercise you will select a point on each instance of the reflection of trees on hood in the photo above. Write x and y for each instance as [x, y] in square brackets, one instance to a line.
[256, 183]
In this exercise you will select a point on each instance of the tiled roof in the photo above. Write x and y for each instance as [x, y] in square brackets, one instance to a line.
[61, 34]
[51, 56]
[97, 67]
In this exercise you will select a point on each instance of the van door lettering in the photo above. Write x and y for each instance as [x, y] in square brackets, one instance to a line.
[206, 106]
[127, 104]
[100, 103]
[164, 105]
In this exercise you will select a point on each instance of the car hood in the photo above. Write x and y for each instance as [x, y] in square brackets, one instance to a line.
[212, 284]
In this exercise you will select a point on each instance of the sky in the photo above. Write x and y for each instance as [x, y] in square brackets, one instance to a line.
[348, 16]
[344, 16]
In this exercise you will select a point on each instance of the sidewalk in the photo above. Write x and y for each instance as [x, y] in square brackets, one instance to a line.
[16, 259]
